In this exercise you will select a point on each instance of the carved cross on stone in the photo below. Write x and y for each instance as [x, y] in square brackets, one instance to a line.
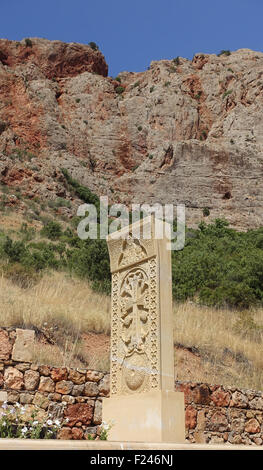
[143, 402]
[134, 310]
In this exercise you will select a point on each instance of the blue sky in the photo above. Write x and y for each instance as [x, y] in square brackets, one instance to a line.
[133, 33]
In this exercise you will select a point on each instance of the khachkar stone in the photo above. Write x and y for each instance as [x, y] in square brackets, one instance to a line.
[142, 403]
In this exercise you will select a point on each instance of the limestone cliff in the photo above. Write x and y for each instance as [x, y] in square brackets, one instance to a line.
[180, 132]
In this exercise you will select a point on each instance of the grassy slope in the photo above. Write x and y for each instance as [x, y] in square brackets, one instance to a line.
[225, 351]
[226, 344]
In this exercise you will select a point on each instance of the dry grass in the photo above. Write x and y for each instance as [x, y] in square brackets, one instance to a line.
[57, 300]
[230, 345]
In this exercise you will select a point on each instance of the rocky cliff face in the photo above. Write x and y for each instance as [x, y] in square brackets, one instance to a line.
[181, 132]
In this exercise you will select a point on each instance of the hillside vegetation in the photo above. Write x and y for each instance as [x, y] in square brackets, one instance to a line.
[59, 285]
[218, 266]
[211, 345]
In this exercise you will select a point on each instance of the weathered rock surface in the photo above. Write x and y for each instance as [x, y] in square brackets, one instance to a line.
[31, 379]
[22, 350]
[181, 132]
[5, 346]
[79, 413]
[13, 378]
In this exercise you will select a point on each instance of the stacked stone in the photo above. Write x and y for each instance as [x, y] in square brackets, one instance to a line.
[214, 413]
[217, 414]
[72, 395]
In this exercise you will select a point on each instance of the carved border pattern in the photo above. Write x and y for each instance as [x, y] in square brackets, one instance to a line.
[153, 345]
[114, 334]
[154, 338]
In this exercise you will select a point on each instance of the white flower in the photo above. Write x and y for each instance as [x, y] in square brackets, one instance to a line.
[67, 420]
[24, 430]
[49, 422]
[4, 405]
[4, 423]
[106, 427]
[57, 422]
[12, 411]
[35, 423]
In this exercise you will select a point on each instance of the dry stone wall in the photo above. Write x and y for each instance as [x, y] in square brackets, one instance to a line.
[75, 394]
[219, 414]
[214, 413]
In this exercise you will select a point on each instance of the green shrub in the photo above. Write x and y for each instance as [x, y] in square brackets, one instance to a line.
[84, 193]
[52, 230]
[198, 95]
[135, 167]
[220, 266]
[14, 250]
[119, 90]
[176, 60]
[206, 212]
[226, 93]
[93, 46]
[224, 52]
[3, 126]
[27, 232]
[91, 261]
[28, 42]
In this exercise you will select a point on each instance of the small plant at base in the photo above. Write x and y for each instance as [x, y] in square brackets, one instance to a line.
[105, 428]
[14, 425]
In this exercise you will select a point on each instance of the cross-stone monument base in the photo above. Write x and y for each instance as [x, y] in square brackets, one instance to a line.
[155, 416]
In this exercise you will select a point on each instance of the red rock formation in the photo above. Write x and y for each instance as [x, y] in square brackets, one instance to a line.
[183, 131]
[55, 59]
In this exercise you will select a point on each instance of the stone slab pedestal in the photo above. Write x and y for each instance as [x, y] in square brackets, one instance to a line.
[154, 416]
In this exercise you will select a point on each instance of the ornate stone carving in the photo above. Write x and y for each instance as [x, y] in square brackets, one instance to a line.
[132, 250]
[142, 350]
[135, 326]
